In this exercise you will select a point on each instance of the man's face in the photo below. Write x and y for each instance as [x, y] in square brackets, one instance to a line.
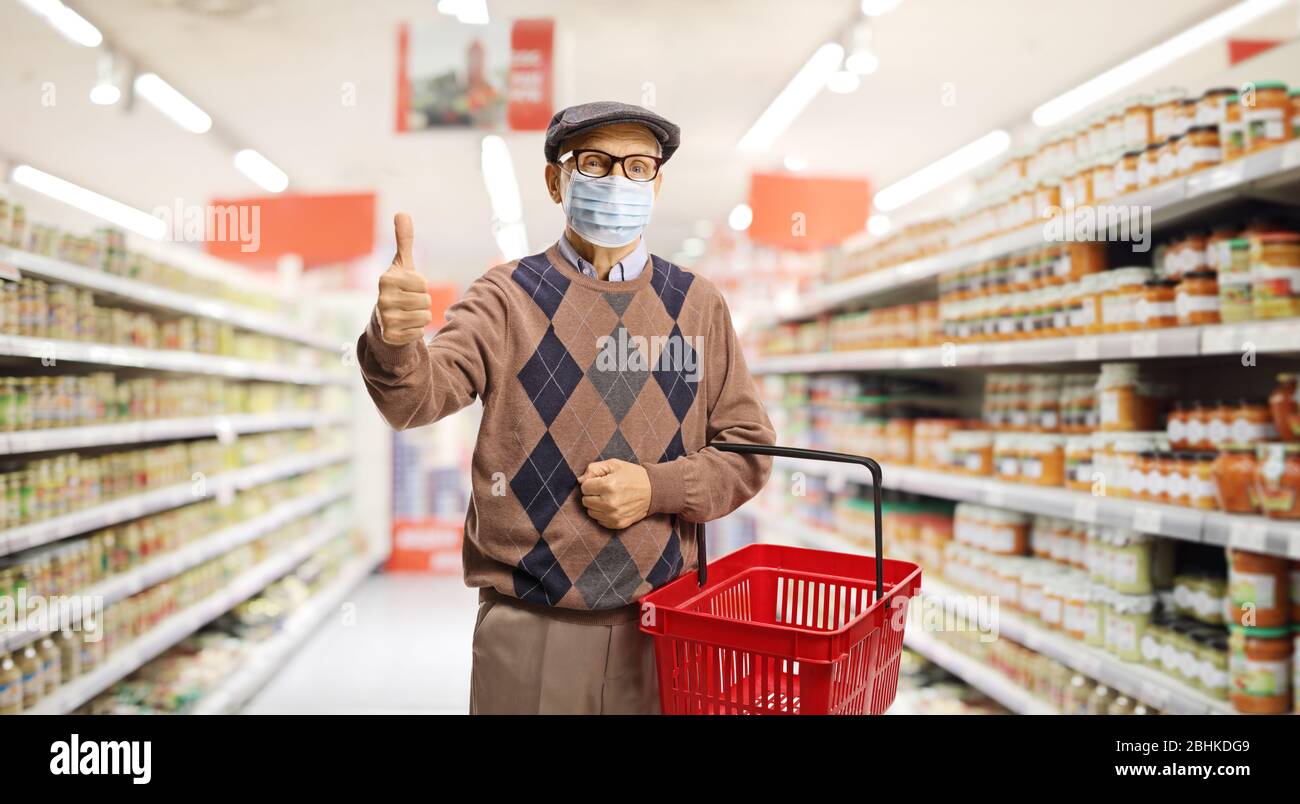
[620, 139]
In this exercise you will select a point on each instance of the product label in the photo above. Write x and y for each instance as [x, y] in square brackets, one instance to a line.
[1148, 311]
[1031, 467]
[1256, 588]
[1126, 638]
[1212, 677]
[1245, 431]
[1155, 483]
[1219, 431]
[1176, 430]
[1265, 679]
[1109, 407]
[1265, 124]
[1186, 304]
[1124, 568]
[1275, 281]
[1150, 649]
[1169, 658]
[11, 695]
[1051, 611]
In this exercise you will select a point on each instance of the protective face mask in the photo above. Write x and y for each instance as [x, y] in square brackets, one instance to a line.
[611, 211]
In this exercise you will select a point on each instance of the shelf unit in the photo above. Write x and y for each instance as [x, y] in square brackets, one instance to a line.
[170, 565]
[1269, 337]
[144, 294]
[1255, 533]
[133, 655]
[143, 432]
[980, 676]
[164, 360]
[1178, 199]
[138, 505]
[1136, 681]
[267, 658]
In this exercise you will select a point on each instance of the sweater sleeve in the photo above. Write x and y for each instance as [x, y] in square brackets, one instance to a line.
[416, 384]
[710, 484]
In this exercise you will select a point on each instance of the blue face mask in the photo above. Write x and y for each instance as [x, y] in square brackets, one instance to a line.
[611, 211]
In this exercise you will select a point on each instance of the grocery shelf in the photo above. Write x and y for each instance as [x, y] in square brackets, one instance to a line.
[134, 654]
[982, 677]
[163, 360]
[170, 565]
[1136, 681]
[1170, 202]
[138, 505]
[100, 435]
[270, 656]
[1220, 339]
[1254, 533]
[145, 294]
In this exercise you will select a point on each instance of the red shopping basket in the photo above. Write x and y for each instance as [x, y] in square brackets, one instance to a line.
[782, 630]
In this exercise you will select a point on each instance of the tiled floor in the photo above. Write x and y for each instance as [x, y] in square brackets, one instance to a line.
[405, 650]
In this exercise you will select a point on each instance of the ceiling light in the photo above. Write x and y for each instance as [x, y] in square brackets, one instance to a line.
[106, 91]
[66, 21]
[935, 175]
[470, 12]
[793, 99]
[862, 62]
[1135, 69]
[795, 163]
[875, 8]
[879, 225]
[503, 193]
[88, 201]
[843, 82]
[741, 217]
[176, 106]
[261, 171]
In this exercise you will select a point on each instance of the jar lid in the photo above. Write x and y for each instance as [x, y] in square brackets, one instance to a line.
[1257, 632]
[1203, 129]
[1201, 274]
[1219, 91]
[1270, 85]
[1161, 283]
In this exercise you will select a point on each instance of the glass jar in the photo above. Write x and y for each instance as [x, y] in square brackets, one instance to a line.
[1219, 424]
[1148, 168]
[1043, 460]
[971, 451]
[1157, 305]
[1275, 275]
[1200, 149]
[1258, 589]
[1120, 298]
[1232, 132]
[1137, 123]
[1214, 674]
[1196, 299]
[1252, 423]
[1268, 119]
[1131, 555]
[1078, 463]
[1277, 480]
[1259, 662]
[1284, 405]
[1130, 616]
[1236, 297]
[1234, 479]
[1202, 488]
[1125, 179]
[1167, 158]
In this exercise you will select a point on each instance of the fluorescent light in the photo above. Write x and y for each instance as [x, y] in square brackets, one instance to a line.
[470, 12]
[741, 217]
[793, 99]
[1135, 69]
[875, 8]
[842, 82]
[105, 93]
[88, 201]
[167, 100]
[66, 21]
[862, 62]
[261, 171]
[795, 163]
[935, 175]
[503, 191]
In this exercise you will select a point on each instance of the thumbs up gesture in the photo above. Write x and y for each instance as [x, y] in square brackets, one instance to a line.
[403, 294]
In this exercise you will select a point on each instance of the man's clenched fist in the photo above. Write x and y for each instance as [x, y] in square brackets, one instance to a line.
[403, 294]
[616, 493]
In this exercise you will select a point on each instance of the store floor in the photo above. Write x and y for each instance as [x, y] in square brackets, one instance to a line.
[407, 652]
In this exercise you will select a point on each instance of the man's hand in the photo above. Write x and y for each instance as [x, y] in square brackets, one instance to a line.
[616, 493]
[403, 294]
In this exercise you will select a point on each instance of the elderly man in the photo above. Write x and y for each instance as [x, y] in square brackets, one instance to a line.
[604, 372]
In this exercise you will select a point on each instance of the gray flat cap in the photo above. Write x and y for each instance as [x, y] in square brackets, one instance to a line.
[587, 116]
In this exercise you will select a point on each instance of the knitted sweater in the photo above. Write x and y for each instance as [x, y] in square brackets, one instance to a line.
[572, 370]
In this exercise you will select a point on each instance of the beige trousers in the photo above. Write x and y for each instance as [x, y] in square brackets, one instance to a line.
[529, 663]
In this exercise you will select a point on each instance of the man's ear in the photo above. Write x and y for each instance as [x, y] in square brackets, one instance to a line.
[659, 180]
[553, 182]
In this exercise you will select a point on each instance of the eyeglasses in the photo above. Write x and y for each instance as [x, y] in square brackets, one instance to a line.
[598, 164]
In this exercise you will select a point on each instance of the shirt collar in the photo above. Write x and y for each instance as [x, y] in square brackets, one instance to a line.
[625, 270]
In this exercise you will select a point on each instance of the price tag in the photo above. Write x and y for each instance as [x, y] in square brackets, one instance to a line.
[1248, 535]
[1220, 340]
[1146, 519]
[1144, 344]
[1085, 510]
[1085, 349]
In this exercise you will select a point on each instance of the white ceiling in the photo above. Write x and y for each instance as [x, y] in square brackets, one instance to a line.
[272, 81]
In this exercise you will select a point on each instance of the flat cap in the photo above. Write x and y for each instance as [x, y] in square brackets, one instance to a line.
[587, 116]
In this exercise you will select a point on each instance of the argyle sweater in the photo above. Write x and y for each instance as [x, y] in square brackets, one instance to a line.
[571, 370]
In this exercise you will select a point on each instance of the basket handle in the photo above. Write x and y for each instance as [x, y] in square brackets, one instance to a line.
[810, 455]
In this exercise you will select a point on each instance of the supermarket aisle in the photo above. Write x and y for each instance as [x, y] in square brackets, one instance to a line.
[406, 653]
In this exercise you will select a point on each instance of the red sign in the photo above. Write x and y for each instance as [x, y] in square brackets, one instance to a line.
[529, 92]
[806, 213]
[428, 545]
[321, 229]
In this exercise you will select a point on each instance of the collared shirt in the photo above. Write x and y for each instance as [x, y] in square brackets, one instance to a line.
[625, 270]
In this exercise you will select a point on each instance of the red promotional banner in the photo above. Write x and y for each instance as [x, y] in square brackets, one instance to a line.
[529, 92]
[806, 213]
[321, 229]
